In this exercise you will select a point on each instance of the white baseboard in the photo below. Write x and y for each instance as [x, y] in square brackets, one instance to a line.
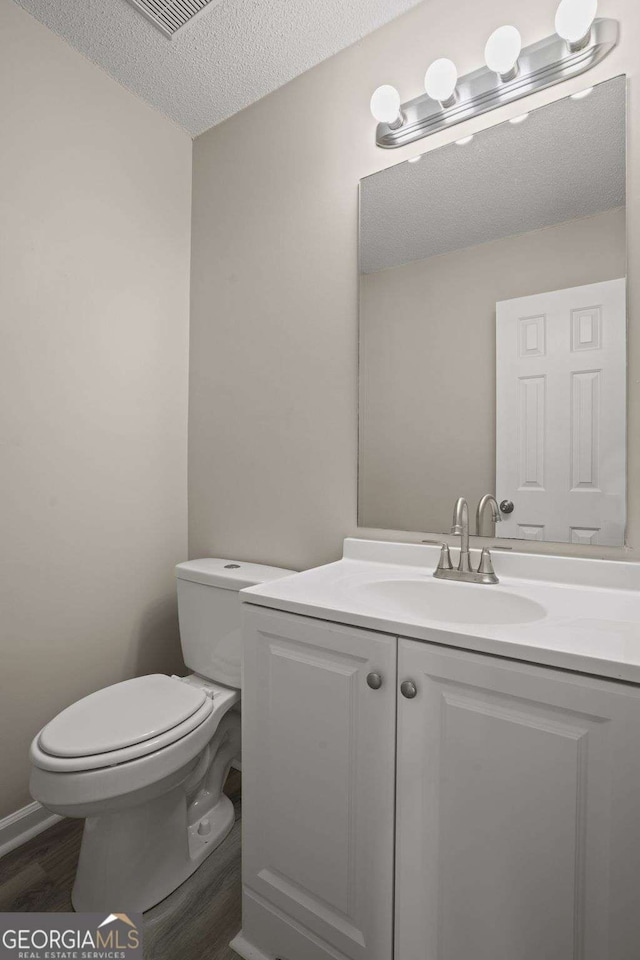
[20, 826]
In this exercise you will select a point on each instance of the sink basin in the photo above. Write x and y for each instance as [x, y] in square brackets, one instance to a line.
[451, 602]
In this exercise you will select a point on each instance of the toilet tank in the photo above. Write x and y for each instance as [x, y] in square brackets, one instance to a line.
[209, 614]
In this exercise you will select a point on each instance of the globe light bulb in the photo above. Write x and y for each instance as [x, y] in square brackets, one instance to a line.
[573, 22]
[502, 51]
[385, 106]
[440, 81]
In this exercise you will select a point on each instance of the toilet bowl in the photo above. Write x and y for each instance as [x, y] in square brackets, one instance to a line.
[144, 761]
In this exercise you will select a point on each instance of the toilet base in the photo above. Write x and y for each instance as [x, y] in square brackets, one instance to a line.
[133, 858]
[209, 832]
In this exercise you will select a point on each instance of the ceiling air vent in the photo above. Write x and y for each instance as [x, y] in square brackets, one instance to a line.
[170, 15]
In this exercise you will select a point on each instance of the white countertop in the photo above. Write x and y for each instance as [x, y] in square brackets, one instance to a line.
[592, 607]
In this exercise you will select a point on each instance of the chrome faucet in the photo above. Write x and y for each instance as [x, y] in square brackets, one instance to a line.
[460, 528]
[487, 500]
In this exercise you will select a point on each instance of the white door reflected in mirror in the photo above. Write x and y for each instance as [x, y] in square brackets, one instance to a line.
[561, 414]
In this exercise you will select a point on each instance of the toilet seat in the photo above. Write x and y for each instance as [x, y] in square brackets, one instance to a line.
[121, 723]
[85, 792]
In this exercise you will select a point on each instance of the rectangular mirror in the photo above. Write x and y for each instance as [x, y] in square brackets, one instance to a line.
[493, 328]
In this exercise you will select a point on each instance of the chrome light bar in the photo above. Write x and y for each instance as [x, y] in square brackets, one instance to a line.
[540, 65]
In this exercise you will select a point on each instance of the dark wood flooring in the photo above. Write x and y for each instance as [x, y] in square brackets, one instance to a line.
[197, 920]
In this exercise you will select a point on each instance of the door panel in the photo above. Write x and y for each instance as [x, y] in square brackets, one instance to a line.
[517, 812]
[561, 414]
[319, 752]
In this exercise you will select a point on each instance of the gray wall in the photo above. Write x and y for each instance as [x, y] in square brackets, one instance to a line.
[427, 363]
[94, 299]
[273, 429]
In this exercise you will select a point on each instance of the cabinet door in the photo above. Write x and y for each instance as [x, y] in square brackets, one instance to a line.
[518, 812]
[318, 771]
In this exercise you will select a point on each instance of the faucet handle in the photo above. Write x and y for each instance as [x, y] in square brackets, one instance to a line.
[445, 558]
[485, 566]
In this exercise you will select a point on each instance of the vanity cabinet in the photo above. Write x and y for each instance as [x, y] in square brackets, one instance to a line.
[491, 813]
[518, 811]
[318, 787]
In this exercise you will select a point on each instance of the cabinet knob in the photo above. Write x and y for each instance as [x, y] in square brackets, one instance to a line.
[408, 689]
[507, 506]
[374, 680]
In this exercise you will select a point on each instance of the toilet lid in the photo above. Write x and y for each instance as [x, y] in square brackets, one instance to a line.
[119, 716]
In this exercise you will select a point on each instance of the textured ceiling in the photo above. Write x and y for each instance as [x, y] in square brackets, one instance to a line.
[230, 56]
[565, 161]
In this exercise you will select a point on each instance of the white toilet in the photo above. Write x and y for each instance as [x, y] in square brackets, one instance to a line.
[145, 760]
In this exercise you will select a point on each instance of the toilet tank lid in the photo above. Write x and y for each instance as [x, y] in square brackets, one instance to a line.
[228, 574]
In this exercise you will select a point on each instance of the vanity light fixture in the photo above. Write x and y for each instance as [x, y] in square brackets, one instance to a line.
[573, 22]
[511, 72]
[385, 106]
[502, 51]
[440, 82]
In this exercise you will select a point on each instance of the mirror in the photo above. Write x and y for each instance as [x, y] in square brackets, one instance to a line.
[493, 328]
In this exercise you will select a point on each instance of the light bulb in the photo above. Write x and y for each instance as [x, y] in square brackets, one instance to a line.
[440, 81]
[582, 94]
[502, 51]
[385, 106]
[573, 22]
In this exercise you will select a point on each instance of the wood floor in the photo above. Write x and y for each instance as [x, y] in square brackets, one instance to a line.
[197, 921]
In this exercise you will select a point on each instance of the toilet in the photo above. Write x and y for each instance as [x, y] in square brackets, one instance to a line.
[144, 761]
